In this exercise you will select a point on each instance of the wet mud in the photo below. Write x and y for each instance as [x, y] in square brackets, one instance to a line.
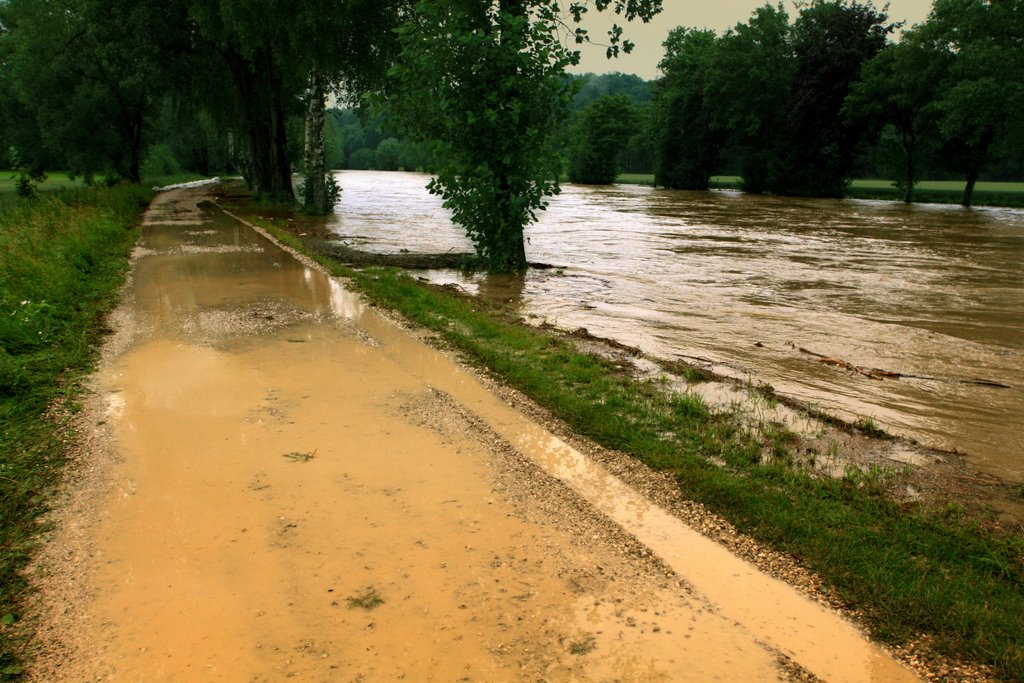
[300, 488]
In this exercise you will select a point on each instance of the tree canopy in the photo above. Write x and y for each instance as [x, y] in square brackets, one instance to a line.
[980, 99]
[477, 91]
[600, 132]
[689, 138]
[793, 107]
[485, 83]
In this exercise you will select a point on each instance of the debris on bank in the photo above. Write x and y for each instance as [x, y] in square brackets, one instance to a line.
[188, 185]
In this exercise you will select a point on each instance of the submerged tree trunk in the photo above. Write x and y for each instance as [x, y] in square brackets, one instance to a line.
[909, 144]
[508, 250]
[972, 178]
[975, 162]
[315, 191]
[135, 153]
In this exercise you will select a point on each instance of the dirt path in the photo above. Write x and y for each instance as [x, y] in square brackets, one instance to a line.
[279, 482]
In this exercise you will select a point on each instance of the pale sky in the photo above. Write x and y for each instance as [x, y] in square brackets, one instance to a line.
[714, 14]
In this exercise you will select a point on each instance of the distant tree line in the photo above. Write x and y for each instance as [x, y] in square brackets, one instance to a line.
[801, 107]
[364, 139]
[477, 93]
[474, 90]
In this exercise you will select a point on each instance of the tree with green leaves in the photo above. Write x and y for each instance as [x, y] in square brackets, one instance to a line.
[592, 86]
[689, 142]
[91, 73]
[484, 82]
[897, 88]
[599, 135]
[748, 86]
[283, 58]
[831, 40]
[251, 39]
[348, 47]
[637, 156]
[981, 98]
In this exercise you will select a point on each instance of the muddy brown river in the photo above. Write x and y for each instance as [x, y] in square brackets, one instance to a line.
[771, 289]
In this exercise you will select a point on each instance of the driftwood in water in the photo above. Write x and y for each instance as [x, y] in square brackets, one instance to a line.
[355, 257]
[448, 260]
[875, 373]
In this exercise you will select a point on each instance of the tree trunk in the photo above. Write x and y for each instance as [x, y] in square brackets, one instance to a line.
[909, 144]
[263, 156]
[316, 196]
[135, 160]
[508, 249]
[976, 161]
[972, 178]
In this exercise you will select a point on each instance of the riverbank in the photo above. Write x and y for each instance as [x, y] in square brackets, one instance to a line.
[936, 580]
[917, 573]
[1006, 195]
[348, 502]
[62, 259]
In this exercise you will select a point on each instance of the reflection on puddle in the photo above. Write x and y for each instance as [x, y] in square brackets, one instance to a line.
[344, 303]
[747, 282]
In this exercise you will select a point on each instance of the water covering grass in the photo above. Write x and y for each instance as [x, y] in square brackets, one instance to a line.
[62, 259]
[986, 193]
[908, 569]
[941, 192]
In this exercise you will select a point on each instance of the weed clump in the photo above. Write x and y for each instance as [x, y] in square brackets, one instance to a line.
[369, 598]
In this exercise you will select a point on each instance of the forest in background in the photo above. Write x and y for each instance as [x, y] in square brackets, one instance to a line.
[901, 110]
[478, 94]
[354, 138]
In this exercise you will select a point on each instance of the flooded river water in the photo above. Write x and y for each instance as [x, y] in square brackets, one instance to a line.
[766, 288]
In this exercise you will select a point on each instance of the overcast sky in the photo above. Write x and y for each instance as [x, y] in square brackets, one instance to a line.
[714, 14]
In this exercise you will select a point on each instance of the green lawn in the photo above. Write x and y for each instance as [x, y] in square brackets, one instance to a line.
[939, 191]
[648, 179]
[53, 182]
[944, 185]
[59, 181]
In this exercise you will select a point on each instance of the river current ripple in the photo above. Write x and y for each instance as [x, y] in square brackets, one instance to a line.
[763, 287]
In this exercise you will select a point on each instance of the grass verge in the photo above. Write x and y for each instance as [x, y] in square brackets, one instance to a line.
[910, 571]
[62, 259]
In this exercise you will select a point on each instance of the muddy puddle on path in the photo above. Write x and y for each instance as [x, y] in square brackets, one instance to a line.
[307, 491]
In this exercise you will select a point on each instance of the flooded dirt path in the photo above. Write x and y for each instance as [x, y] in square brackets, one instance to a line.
[791, 292]
[302, 489]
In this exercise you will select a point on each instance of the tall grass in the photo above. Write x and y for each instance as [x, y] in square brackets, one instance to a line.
[62, 259]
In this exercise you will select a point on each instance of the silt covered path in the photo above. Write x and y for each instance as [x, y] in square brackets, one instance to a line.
[300, 488]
